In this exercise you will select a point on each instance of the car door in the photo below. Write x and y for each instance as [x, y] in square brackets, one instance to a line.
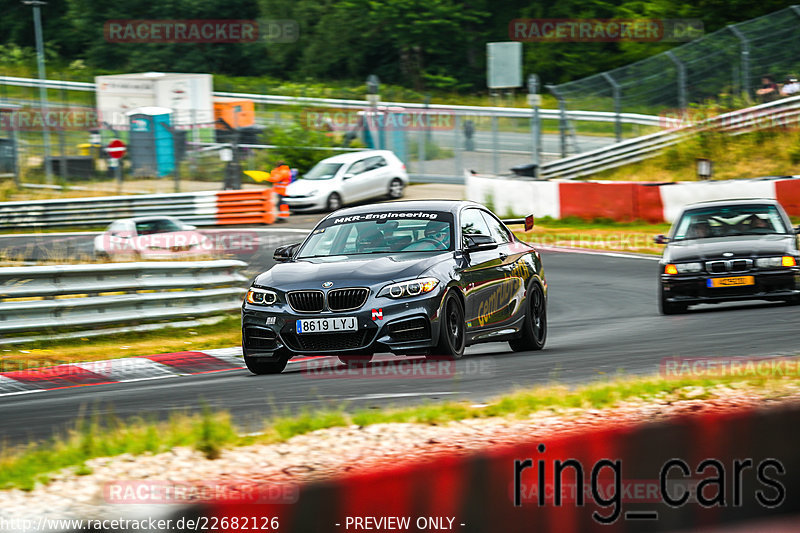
[514, 268]
[378, 175]
[483, 277]
[355, 182]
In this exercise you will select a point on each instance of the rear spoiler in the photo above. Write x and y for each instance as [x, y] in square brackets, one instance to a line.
[528, 221]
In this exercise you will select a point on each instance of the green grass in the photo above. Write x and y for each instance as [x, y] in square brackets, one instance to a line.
[210, 432]
[24, 467]
[597, 223]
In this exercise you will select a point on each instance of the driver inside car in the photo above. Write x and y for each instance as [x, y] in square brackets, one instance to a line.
[699, 230]
[439, 232]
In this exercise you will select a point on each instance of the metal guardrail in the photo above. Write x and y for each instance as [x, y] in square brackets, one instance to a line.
[762, 116]
[518, 112]
[41, 299]
[206, 208]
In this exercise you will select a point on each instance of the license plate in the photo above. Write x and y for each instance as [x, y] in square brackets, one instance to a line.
[737, 281]
[327, 325]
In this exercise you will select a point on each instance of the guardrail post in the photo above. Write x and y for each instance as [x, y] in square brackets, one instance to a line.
[617, 94]
[421, 152]
[745, 55]
[562, 119]
[457, 147]
[536, 130]
[495, 146]
[681, 79]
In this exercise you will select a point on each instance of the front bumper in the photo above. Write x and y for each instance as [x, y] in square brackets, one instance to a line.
[305, 203]
[769, 285]
[409, 325]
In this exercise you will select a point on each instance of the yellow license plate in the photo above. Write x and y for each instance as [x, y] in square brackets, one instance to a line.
[737, 281]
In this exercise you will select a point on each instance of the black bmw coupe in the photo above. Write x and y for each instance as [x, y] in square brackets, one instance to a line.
[426, 277]
[729, 250]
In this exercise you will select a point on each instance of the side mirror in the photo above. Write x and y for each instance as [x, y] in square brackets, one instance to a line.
[660, 239]
[348, 176]
[480, 242]
[797, 230]
[284, 253]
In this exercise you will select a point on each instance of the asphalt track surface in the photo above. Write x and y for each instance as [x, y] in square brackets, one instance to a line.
[603, 319]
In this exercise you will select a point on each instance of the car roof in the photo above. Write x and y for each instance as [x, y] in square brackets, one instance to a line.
[734, 201]
[350, 157]
[451, 206]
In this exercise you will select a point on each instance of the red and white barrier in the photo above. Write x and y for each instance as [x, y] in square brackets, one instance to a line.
[622, 201]
[205, 208]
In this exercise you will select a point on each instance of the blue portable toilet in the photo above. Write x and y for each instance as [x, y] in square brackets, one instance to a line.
[151, 146]
[383, 128]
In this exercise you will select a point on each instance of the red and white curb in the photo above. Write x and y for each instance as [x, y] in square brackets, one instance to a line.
[123, 370]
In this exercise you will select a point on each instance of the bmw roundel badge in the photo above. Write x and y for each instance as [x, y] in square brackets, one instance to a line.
[327, 285]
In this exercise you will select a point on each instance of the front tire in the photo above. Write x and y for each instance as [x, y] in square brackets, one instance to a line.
[396, 189]
[260, 366]
[334, 202]
[452, 337]
[534, 326]
[669, 308]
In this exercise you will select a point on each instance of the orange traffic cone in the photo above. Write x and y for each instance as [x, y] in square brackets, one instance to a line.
[283, 211]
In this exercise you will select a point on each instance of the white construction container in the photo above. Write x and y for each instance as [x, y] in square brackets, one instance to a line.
[189, 96]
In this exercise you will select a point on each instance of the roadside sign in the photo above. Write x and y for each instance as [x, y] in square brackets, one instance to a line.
[116, 149]
[504, 65]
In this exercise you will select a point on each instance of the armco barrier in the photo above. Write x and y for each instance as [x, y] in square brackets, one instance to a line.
[207, 208]
[622, 201]
[744, 464]
[47, 299]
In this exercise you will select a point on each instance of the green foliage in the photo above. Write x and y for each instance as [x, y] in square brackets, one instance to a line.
[423, 45]
[296, 146]
[432, 151]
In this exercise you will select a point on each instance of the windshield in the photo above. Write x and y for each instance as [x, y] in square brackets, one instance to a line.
[728, 221]
[375, 233]
[157, 225]
[323, 171]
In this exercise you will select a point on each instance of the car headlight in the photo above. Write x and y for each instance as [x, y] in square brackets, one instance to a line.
[413, 287]
[261, 296]
[685, 268]
[775, 262]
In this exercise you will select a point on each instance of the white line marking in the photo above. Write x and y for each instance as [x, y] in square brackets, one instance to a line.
[398, 395]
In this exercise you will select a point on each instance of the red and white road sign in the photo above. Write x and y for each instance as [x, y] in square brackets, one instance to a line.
[116, 149]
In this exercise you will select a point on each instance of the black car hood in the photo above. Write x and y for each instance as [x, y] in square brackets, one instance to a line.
[349, 271]
[739, 246]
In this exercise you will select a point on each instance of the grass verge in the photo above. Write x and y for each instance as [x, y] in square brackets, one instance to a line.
[760, 153]
[223, 334]
[598, 234]
[210, 432]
